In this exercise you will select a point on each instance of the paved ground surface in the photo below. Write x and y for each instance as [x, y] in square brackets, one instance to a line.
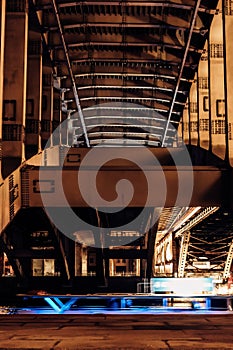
[120, 331]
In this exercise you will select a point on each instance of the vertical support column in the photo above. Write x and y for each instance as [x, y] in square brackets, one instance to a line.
[34, 95]
[47, 87]
[106, 264]
[47, 104]
[185, 126]
[65, 115]
[228, 67]
[198, 113]
[218, 123]
[189, 123]
[225, 5]
[78, 259]
[180, 131]
[228, 263]
[203, 99]
[100, 266]
[69, 257]
[183, 253]
[2, 46]
[193, 113]
[84, 261]
[57, 113]
[138, 267]
[210, 96]
[175, 255]
[1, 262]
[15, 81]
[151, 250]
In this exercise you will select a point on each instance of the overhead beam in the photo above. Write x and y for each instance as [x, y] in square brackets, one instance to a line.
[129, 3]
[121, 75]
[209, 186]
[126, 44]
[119, 25]
[130, 61]
[126, 253]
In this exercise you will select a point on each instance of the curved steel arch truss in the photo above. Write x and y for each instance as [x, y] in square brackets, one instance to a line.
[126, 51]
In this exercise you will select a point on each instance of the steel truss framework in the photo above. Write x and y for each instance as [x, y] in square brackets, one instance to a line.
[125, 51]
[128, 51]
[207, 247]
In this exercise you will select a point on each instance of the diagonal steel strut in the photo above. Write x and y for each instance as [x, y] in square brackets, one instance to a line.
[181, 69]
[75, 92]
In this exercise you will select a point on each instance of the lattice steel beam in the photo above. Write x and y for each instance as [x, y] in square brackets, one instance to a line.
[204, 214]
[228, 261]
[183, 253]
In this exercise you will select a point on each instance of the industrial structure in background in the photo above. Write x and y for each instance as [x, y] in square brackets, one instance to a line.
[153, 74]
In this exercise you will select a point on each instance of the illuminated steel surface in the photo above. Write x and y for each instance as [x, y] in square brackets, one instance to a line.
[62, 303]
